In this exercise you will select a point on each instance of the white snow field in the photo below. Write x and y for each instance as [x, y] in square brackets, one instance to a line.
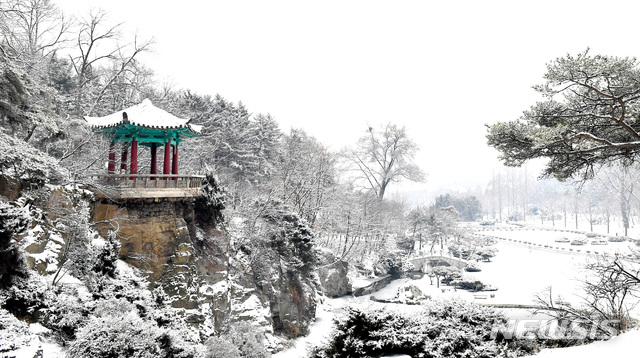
[520, 270]
[624, 345]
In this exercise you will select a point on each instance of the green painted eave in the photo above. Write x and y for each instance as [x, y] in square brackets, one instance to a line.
[146, 136]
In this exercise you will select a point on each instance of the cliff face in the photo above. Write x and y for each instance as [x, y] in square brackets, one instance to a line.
[155, 238]
[190, 259]
[285, 298]
[333, 275]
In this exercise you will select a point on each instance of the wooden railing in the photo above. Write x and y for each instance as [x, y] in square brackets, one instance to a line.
[148, 185]
[149, 180]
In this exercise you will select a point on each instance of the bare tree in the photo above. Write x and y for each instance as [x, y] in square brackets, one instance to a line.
[593, 196]
[548, 195]
[305, 174]
[104, 65]
[107, 76]
[620, 182]
[382, 157]
[610, 295]
[440, 223]
[360, 224]
[31, 29]
[433, 224]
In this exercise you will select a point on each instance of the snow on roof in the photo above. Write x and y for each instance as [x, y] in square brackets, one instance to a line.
[144, 114]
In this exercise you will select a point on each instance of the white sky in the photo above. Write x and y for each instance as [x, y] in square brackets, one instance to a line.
[441, 68]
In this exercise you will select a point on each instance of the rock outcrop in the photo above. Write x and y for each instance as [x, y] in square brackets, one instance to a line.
[190, 258]
[333, 276]
[152, 234]
[10, 187]
[288, 303]
[159, 238]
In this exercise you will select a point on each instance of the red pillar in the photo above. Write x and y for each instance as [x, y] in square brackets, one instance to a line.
[174, 168]
[123, 158]
[154, 160]
[134, 158]
[111, 167]
[167, 158]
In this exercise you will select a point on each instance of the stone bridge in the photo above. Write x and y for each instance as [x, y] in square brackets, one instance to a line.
[426, 262]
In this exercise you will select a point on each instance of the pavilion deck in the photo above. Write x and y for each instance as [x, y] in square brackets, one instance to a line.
[147, 186]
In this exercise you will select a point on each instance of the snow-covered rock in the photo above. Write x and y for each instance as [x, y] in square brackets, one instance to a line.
[333, 276]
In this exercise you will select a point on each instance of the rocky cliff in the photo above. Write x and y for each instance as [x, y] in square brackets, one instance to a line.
[156, 238]
[333, 275]
[198, 268]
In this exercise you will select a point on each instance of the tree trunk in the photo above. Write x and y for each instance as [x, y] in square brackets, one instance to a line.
[624, 211]
[383, 188]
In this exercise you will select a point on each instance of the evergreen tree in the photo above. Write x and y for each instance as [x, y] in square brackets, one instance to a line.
[589, 117]
[266, 146]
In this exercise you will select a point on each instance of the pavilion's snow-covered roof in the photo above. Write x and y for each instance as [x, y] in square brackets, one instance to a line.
[144, 114]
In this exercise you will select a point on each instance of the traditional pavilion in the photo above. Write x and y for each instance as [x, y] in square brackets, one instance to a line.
[146, 125]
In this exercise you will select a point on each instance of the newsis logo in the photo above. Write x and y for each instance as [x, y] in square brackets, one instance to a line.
[555, 330]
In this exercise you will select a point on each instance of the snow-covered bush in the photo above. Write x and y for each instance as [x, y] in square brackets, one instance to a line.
[440, 329]
[26, 296]
[106, 256]
[248, 339]
[23, 161]
[116, 336]
[472, 267]
[393, 263]
[75, 318]
[210, 205]
[13, 332]
[116, 329]
[446, 274]
[468, 283]
[90, 260]
[291, 237]
[242, 340]
[65, 315]
[220, 347]
[12, 221]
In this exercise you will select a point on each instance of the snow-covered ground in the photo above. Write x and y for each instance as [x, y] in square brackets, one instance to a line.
[518, 270]
[623, 345]
[31, 339]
